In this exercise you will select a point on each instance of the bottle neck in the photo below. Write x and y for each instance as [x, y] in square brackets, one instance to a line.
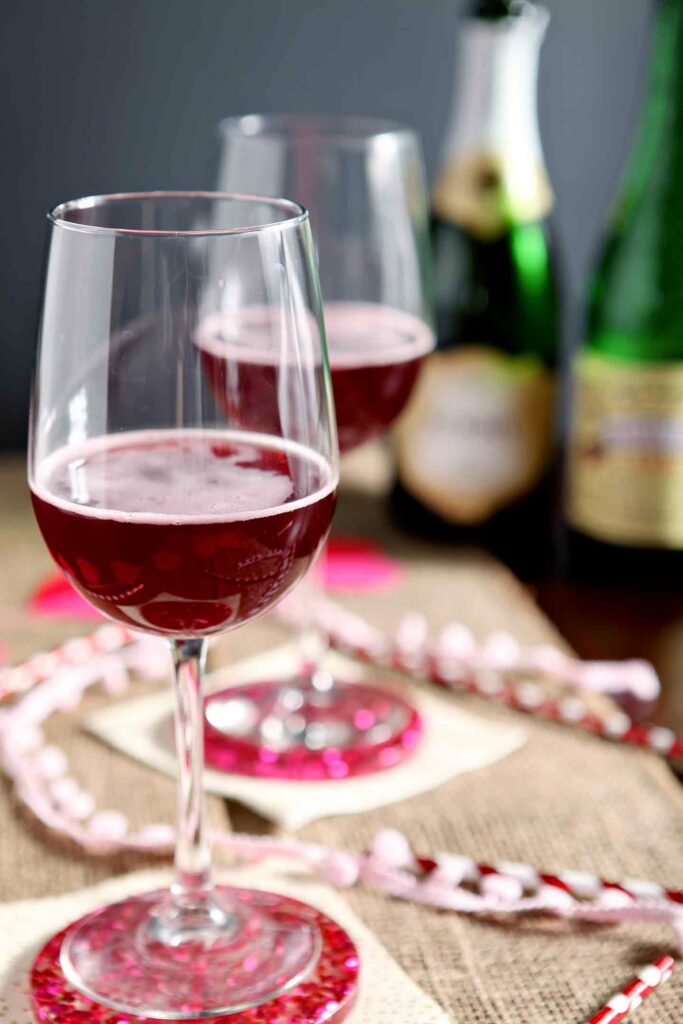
[659, 133]
[491, 8]
[492, 171]
[636, 307]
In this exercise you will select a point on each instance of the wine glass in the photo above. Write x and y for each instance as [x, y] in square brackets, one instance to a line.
[167, 513]
[363, 182]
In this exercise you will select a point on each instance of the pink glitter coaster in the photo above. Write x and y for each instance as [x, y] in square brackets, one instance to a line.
[326, 996]
[363, 729]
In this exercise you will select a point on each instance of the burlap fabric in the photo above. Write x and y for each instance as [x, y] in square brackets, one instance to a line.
[565, 800]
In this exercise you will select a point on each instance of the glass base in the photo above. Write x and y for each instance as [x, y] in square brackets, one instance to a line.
[327, 992]
[265, 946]
[298, 730]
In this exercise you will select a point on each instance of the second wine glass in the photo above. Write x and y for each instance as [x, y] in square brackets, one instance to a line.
[363, 182]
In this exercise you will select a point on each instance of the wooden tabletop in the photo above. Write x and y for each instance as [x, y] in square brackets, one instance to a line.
[615, 622]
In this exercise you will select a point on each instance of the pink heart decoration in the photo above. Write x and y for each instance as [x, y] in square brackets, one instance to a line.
[55, 598]
[355, 565]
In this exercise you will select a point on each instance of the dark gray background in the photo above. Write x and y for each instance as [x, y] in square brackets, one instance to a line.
[116, 95]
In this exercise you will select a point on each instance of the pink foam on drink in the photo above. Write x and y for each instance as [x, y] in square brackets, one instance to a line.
[170, 477]
[361, 334]
[358, 334]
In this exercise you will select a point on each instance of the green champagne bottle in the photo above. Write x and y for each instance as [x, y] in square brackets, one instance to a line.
[475, 448]
[625, 467]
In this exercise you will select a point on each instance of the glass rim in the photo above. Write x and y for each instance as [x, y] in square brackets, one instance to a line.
[349, 128]
[297, 214]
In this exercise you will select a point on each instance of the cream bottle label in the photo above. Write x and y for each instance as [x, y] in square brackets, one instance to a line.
[626, 452]
[478, 433]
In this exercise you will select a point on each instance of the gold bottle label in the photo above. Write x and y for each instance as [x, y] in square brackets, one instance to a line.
[484, 193]
[626, 452]
[492, 173]
[477, 434]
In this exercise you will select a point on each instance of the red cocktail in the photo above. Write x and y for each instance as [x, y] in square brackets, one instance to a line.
[183, 532]
[375, 355]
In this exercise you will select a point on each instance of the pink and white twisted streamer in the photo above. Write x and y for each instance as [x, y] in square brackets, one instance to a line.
[448, 881]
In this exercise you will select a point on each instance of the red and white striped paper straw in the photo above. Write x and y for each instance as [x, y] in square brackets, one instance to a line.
[629, 998]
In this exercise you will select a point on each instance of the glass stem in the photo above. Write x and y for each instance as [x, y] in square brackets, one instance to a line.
[192, 856]
[313, 640]
[191, 911]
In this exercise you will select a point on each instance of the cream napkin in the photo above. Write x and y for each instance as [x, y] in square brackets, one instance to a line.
[454, 742]
[387, 994]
